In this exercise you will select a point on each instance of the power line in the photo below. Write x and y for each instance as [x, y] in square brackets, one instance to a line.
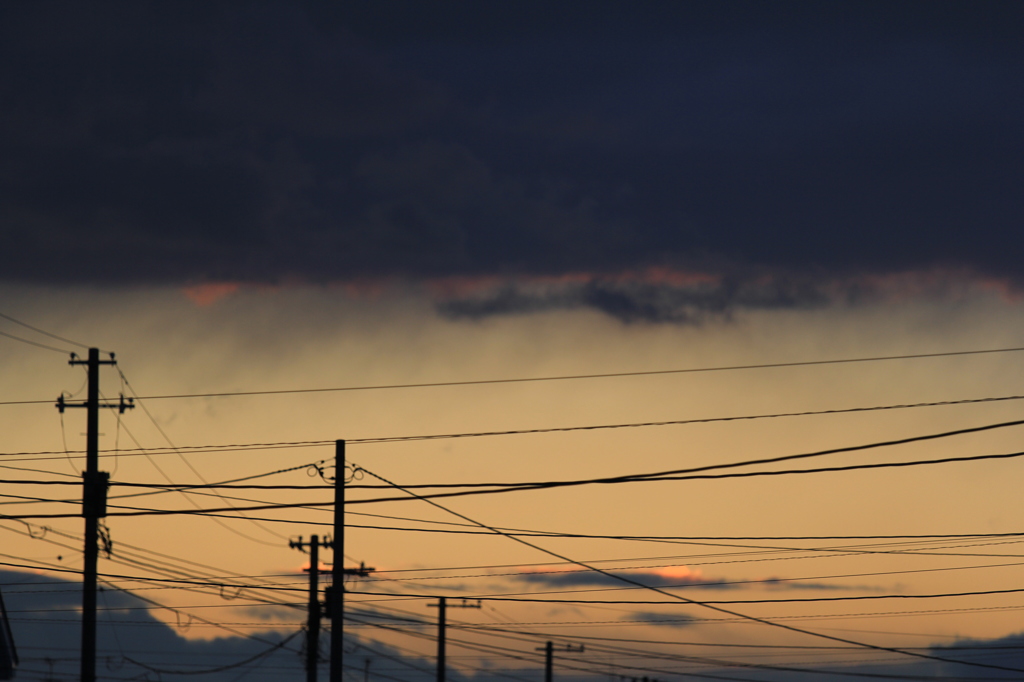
[701, 660]
[122, 554]
[693, 472]
[720, 609]
[139, 578]
[520, 487]
[14, 481]
[641, 478]
[709, 584]
[176, 576]
[521, 636]
[184, 459]
[241, 447]
[492, 630]
[558, 534]
[37, 345]
[41, 471]
[190, 615]
[141, 511]
[605, 375]
[716, 583]
[789, 600]
[564, 377]
[680, 422]
[644, 479]
[675, 539]
[218, 669]
[43, 331]
[672, 474]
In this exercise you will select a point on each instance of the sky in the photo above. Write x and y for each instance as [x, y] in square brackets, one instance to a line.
[282, 196]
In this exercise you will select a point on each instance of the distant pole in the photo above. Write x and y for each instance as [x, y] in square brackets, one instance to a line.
[442, 617]
[338, 568]
[442, 626]
[94, 501]
[313, 613]
[549, 656]
[313, 618]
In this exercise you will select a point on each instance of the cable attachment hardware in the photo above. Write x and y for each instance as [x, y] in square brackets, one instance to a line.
[94, 493]
[227, 596]
[183, 627]
[316, 470]
[357, 473]
[106, 542]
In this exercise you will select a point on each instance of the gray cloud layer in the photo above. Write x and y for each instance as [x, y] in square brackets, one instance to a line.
[656, 579]
[45, 629]
[635, 300]
[45, 625]
[186, 142]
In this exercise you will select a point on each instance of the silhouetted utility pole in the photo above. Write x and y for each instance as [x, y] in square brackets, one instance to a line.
[549, 655]
[336, 602]
[94, 500]
[335, 594]
[442, 617]
[313, 617]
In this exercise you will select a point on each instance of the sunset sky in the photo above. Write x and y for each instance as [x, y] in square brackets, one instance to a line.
[286, 196]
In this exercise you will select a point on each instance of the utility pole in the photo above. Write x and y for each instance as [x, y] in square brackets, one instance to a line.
[549, 655]
[313, 617]
[442, 617]
[94, 500]
[333, 600]
[335, 594]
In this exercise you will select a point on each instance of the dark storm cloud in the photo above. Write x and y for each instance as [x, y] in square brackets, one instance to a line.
[175, 143]
[662, 619]
[662, 580]
[593, 579]
[633, 300]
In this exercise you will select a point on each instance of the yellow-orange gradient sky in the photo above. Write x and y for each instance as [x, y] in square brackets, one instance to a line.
[306, 337]
[292, 196]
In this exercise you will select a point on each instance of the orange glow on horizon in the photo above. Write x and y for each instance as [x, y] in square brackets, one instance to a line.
[204, 295]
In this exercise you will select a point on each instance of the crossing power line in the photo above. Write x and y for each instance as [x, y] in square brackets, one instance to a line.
[562, 377]
[42, 455]
[695, 602]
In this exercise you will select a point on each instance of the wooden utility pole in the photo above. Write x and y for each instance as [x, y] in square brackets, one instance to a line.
[337, 600]
[442, 617]
[313, 616]
[335, 594]
[549, 655]
[94, 500]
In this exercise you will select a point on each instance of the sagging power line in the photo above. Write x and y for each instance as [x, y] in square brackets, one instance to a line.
[564, 377]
